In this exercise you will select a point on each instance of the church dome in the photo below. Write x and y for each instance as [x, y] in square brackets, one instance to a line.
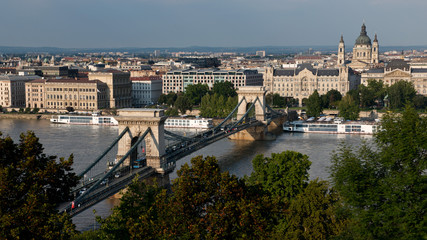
[363, 39]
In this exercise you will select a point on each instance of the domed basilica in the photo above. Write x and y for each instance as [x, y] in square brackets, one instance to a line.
[365, 53]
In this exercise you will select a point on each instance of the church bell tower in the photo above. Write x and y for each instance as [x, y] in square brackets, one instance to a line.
[341, 52]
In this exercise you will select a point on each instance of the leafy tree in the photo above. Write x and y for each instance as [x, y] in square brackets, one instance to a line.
[400, 93]
[284, 175]
[331, 99]
[348, 108]
[183, 103]
[386, 189]
[32, 184]
[354, 93]
[35, 110]
[172, 112]
[314, 214]
[204, 204]
[70, 109]
[278, 101]
[269, 99]
[225, 89]
[195, 92]
[420, 102]
[371, 94]
[314, 104]
[27, 110]
[217, 105]
[1, 108]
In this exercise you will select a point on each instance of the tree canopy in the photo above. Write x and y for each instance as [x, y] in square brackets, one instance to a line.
[32, 184]
[385, 189]
[348, 108]
[314, 104]
[195, 92]
[225, 89]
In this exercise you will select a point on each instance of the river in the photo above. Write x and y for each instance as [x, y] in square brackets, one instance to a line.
[87, 142]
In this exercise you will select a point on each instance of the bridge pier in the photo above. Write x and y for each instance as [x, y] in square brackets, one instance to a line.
[255, 133]
[139, 120]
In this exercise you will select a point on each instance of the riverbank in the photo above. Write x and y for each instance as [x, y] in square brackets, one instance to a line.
[25, 116]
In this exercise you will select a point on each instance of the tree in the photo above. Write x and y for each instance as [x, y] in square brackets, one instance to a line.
[195, 92]
[348, 109]
[400, 93]
[205, 203]
[331, 99]
[217, 105]
[371, 94]
[69, 109]
[314, 214]
[284, 175]
[172, 112]
[183, 103]
[225, 89]
[385, 189]
[278, 101]
[314, 104]
[32, 184]
[420, 101]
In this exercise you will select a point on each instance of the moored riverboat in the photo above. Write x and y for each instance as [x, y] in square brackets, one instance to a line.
[95, 119]
[183, 122]
[350, 127]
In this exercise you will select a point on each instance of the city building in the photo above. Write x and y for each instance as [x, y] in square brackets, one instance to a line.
[365, 53]
[300, 82]
[146, 90]
[260, 53]
[398, 70]
[58, 94]
[119, 87]
[178, 80]
[12, 90]
[201, 62]
[52, 71]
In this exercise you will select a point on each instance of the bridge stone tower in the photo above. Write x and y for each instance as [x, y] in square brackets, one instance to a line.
[250, 93]
[139, 120]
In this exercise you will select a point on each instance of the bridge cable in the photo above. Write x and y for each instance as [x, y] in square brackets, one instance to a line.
[104, 153]
[230, 115]
[93, 187]
[247, 112]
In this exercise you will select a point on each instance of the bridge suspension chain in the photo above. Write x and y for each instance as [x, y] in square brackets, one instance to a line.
[230, 115]
[247, 112]
[105, 152]
[112, 170]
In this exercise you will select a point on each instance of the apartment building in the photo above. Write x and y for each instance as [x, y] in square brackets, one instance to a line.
[119, 87]
[12, 90]
[178, 80]
[58, 94]
[146, 90]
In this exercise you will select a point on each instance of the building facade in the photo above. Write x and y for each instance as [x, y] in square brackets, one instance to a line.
[300, 82]
[398, 70]
[178, 80]
[119, 87]
[146, 90]
[58, 94]
[12, 90]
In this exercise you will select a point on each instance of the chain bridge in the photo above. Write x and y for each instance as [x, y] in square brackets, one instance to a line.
[143, 153]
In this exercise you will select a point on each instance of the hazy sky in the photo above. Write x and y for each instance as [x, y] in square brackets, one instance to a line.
[216, 23]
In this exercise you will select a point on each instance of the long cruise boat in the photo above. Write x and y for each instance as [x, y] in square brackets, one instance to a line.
[95, 119]
[353, 127]
[189, 123]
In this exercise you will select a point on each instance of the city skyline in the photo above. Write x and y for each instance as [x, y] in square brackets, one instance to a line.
[184, 23]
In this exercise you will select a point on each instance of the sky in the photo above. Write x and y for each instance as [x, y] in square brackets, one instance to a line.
[214, 23]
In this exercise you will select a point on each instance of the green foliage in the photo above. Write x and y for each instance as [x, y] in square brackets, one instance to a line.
[226, 89]
[420, 102]
[314, 214]
[284, 175]
[70, 109]
[314, 104]
[217, 105]
[400, 93]
[386, 189]
[331, 99]
[204, 204]
[183, 103]
[35, 110]
[1, 108]
[195, 92]
[31, 186]
[348, 108]
[27, 110]
[278, 101]
[168, 99]
[372, 94]
[172, 112]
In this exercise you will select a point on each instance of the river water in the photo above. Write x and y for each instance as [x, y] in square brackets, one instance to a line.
[88, 142]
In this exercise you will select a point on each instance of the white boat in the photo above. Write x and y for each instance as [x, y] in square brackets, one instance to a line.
[353, 127]
[189, 123]
[95, 119]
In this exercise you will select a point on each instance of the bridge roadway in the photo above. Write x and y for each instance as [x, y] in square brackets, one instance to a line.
[113, 186]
